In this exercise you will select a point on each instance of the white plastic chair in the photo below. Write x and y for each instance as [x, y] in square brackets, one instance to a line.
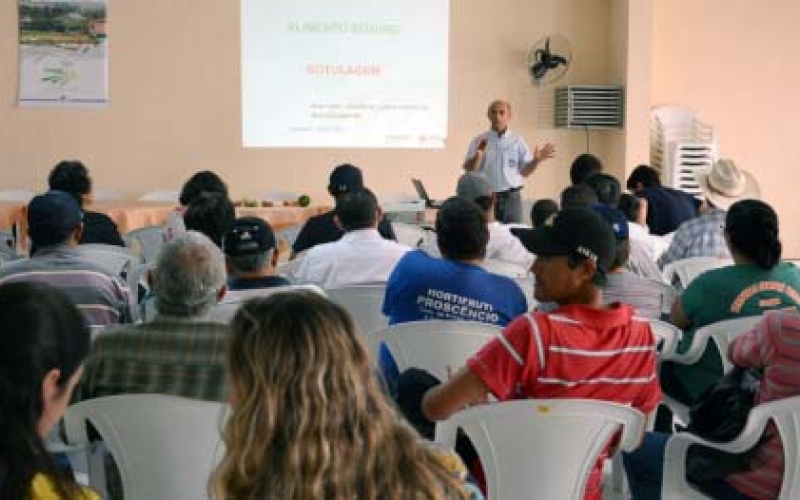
[288, 235]
[411, 235]
[722, 333]
[681, 272]
[23, 195]
[114, 259]
[145, 241]
[506, 268]
[164, 446]
[8, 247]
[162, 196]
[364, 303]
[667, 338]
[433, 345]
[224, 310]
[786, 415]
[542, 448]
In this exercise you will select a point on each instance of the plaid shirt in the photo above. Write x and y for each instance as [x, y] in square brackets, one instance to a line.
[176, 356]
[703, 236]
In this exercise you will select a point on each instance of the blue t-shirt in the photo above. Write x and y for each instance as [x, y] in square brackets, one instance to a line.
[422, 287]
[668, 208]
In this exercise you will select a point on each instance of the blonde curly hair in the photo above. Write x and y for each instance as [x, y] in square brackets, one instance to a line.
[309, 419]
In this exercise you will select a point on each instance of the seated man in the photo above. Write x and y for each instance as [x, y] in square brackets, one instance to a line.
[55, 227]
[211, 214]
[635, 210]
[578, 196]
[704, 236]
[606, 187]
[361, 256]
[667, 208]
[502, 244]
[452, 287]
[622, 285]
[322, 228]
[180, 352]
[542, 211]
[584, 166]
[251, 257]
[582, 349]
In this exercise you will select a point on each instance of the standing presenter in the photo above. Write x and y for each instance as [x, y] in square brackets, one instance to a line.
[505, 159]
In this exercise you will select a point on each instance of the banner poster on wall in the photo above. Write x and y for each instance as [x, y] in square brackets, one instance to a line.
[63, 53]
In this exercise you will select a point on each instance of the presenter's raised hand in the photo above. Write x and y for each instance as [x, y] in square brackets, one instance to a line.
[544, 153]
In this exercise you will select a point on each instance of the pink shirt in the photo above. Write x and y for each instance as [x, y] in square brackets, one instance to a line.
[774, 344]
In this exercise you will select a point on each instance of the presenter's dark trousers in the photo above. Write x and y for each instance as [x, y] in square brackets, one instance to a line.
[508, 208]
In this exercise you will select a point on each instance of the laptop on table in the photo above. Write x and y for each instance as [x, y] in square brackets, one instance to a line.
[429, 203]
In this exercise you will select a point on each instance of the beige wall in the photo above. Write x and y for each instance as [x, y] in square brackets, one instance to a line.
[735, 63]
[174, 102]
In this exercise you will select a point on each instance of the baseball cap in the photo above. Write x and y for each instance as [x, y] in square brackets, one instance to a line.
[472, 186]
[615, 218]
[345, 178]
[574, 231]
[248, 236]
[52, 217]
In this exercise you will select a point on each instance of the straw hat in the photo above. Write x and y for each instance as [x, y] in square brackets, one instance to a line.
[725, 184]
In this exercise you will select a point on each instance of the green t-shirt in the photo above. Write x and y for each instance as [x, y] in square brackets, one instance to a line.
[727, 293]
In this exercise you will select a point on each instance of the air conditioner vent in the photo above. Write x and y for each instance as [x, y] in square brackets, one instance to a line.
[594, 107]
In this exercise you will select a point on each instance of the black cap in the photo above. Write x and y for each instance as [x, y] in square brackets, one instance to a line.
[345, 178]
[248, 236]
[574, 231]
[52, 217]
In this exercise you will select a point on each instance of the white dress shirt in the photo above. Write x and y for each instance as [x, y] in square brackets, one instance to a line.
[505, 246]
[359, 257]
[505, 156]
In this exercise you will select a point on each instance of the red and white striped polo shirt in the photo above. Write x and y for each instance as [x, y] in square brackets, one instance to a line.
[574, 351]
[774, 344]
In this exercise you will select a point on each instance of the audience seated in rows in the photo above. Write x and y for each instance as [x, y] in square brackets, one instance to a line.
[772, 346]
[622, 285]
[758, 281]
[73, 178]
[55, 227]
[502, 244]
[544, 355]
[211, 214]
[321, 229]
[359, 257]
[453, 287]
[584, 166]
[667, 208]
[309, 418]
[43, 342]
[179, 352]
[542, 210]
[704, 236]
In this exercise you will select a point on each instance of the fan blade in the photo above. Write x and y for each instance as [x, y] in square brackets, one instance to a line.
[558, 60]
[539, 69]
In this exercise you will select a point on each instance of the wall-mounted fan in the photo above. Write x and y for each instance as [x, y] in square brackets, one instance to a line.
[549, 59]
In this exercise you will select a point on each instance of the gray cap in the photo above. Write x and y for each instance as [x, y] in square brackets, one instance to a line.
[472, 186]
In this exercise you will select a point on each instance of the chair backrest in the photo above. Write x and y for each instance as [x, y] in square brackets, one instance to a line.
[161, 195]
[223, 311]
[681, 272]
[433, 345]
[411, 235]
[164, 446]
[363, 302]
[506, 268]
[542, 448]
[723, 333]
[8, 250]
[22, 195]
[145, 242]
[115, 260]
[667, 338]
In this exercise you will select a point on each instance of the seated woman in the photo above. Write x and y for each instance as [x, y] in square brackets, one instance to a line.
[758, 281]
[43, 342]
[773, 347]
[73, 178]
[308, 418]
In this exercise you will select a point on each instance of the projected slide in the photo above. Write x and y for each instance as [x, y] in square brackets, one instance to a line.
[344, 73]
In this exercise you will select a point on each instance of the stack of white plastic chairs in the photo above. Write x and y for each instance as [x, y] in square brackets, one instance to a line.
[680, 147]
